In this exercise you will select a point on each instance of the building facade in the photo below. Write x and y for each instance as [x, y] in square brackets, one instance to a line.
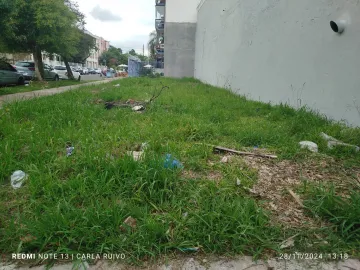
[180, 31]
[160, 16]
[102, 45]
[274, 51]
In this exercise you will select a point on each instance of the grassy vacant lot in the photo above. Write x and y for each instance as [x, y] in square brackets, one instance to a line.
[79, 203]
[37, 86]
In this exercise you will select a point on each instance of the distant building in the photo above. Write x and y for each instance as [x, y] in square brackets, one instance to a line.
[102, 45]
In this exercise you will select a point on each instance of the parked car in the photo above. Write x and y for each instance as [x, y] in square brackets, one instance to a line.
[27, 68]
[49, 73]
[9, 75]
[98, 71]
[85, 71]
[61, 71]
[92, 71]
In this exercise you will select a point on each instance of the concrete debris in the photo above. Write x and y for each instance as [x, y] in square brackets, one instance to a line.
[238, 182]
[332, 142]
[225, 159]
[130, 222]
[311, 146]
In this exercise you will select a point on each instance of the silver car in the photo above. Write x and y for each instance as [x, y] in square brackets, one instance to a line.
[27, 68]
[9, 75]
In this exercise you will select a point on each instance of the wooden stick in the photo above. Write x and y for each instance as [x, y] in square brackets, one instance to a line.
[223, 149]
[296, 197]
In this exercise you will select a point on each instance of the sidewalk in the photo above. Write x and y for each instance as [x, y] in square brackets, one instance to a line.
[48, 92]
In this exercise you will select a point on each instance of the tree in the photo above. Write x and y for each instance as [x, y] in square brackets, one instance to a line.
[113, 57]
[152, 43]
[143, 58]
[38, 25]
[68, 43]
[132, 52]
[84, 47]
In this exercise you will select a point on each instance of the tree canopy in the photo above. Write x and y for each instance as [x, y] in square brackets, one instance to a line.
[54, 26]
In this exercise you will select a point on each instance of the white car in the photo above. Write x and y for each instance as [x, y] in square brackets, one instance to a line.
[62, 72]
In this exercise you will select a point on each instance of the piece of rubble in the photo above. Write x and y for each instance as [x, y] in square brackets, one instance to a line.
[129, 221]
[311, 146]
[332, 142]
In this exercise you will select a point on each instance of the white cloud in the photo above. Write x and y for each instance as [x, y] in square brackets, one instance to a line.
[104, 15]
[137, 21]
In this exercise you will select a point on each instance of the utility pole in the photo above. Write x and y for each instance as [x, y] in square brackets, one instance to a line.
[143, 49]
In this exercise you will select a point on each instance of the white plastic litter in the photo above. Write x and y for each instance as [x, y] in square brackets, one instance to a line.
[18, 178]
[138, 108]
[137, 155]
[69, 150]
[313, 147]
[144, 146]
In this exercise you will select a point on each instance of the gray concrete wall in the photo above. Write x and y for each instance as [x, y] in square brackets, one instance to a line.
[283, 51]
[179, 49]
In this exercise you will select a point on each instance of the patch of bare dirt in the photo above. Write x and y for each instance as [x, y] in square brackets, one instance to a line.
[276, 178]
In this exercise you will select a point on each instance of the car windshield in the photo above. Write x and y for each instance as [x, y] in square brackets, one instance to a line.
[25, 64]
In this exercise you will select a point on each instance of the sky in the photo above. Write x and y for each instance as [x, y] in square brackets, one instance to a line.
[125, 23]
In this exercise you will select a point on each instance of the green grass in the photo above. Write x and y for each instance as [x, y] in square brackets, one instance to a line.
[342, 211]
[78, 203]
[37, 86]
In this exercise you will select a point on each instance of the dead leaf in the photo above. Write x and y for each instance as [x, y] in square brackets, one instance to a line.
[28, 238]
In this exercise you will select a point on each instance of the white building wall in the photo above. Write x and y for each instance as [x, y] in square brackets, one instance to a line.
[283, 51]
[179, 38]
[181, 11]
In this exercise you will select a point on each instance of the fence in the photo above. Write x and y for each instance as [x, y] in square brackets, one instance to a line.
[136, 68]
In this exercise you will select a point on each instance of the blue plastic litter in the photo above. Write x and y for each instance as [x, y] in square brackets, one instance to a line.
[172, 163]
